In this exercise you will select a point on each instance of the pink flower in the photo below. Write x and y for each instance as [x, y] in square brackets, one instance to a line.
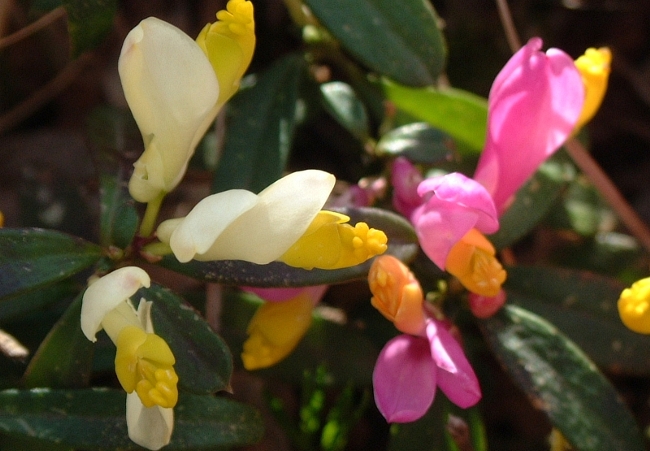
[410, 368]
[274, 294]
[533, 107]
[451, 205]
[405, 179]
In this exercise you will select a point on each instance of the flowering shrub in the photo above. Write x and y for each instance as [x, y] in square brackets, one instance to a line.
[396, 280]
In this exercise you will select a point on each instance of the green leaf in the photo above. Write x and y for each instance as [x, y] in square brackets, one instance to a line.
[533, 200]
[402, 243]
[342, 103]
[35, 301]
[401, 40]
[261, 128]
[95, 419]
[583, 306]
[418, 142]
[34, 258]
[64, 358]
[203, 360]
[119, 218]
[89, 22]
[459, 113]
[562, 381]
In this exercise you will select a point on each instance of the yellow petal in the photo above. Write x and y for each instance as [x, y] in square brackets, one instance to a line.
[594, 66]
[634, 306]
[229, 44]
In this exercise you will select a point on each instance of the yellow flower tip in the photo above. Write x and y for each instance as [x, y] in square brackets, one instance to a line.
[2, 220]
[229, 44]
[472, 260]
[397, 294]
[634, 306]
[594, 66]
[330, 243]
[275, 330]
[144, 363]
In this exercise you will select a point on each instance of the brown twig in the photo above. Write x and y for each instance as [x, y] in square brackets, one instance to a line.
[508, 25]
[44, 94]
[33, 27]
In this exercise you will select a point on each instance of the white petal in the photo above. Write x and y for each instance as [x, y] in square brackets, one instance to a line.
[283, 213]
[144, 315]
[150, 427]
[172, 91]
[198, 231]
[106, 293]
[166, 228]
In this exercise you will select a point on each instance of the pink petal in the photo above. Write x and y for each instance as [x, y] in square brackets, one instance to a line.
[404, 379]
[456, 378]
[533, 106]
[484, 306]
[405, 179]
[272, 294]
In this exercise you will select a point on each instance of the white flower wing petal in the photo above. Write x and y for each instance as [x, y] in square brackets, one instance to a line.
[150, 427]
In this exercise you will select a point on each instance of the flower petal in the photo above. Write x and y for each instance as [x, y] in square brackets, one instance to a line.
[107, 293]
[533, 106]
[405, 179]
[456, 378]
[150, 427]
[404, 379]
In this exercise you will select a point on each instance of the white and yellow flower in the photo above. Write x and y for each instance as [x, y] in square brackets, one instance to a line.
[143, 361]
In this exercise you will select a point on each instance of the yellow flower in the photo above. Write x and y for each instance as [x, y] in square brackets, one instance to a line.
[472, 260]
[331, 243]
[397, 294]
[275, 330]
[594, 66]
[2, 220]
[634, 306]
[229, 44]
[143, 361]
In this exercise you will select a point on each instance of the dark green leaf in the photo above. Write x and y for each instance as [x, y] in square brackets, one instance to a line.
[533, 200]
[119, 219]
[401, 40]
[89, 21]
[343, 350]
[35, 301]
[343, 104]
[34, 258]
[64, 358]
[460, 113]
[418, 142]
[402, 243]
[562, 381]
[583, 306]
[203, 360]
[260, 129]
[95, 419]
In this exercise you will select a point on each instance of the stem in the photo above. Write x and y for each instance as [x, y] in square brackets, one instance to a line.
[508, 25]
[150, 215]
[33, 27]
[608, 190]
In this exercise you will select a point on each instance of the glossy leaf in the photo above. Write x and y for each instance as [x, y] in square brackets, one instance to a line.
[95, 419]
[559, 379]
[533, 201]
[119, 218]
[203, 360]
[260, 128]
[342, 103]
[401, 40]
[583, 306]
[34, 258]
[34, 301]
[419, 142]
[64, 358]
[402, 243]
[459, 113]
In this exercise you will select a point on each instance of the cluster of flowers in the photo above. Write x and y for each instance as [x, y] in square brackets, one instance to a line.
[285, 222]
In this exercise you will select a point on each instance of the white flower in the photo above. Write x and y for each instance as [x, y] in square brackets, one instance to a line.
[241, 225]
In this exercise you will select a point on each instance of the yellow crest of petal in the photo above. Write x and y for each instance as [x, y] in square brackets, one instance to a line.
[472, 260]
[634, 306]
[229, 44]
[397, 294]
[275, 330]
[594, 66]
[331, 243]
[144, 363]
